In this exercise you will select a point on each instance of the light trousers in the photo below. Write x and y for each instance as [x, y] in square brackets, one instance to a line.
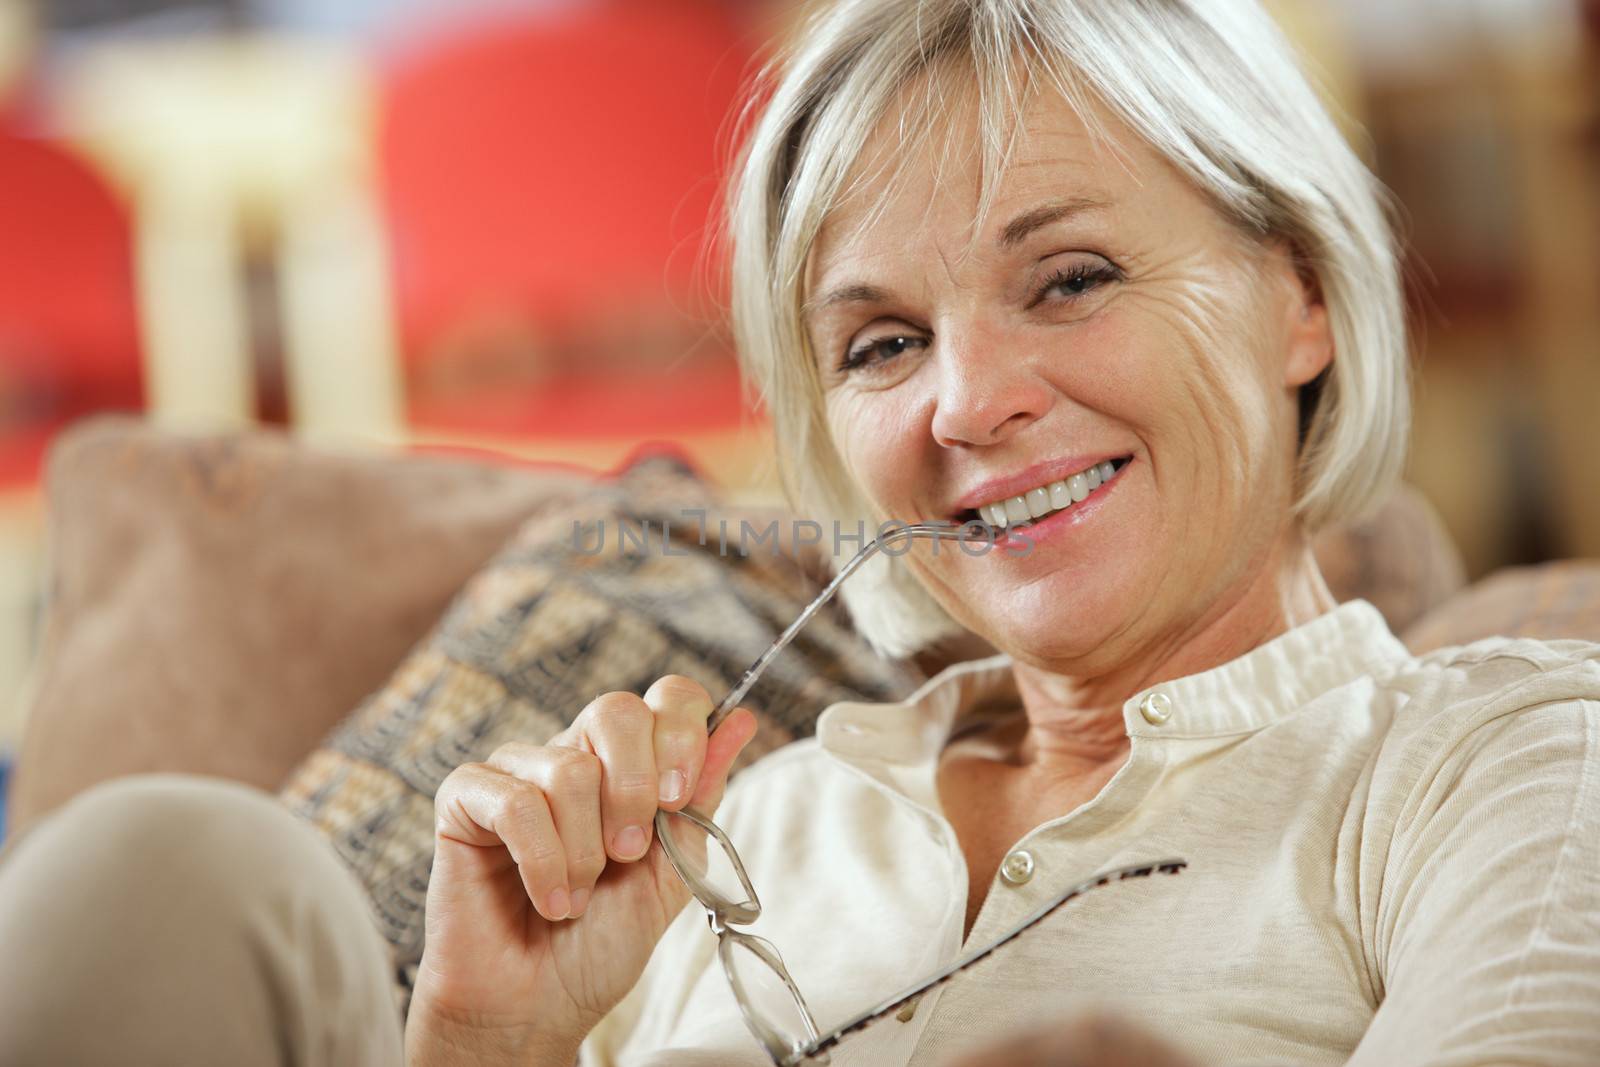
[173, 920]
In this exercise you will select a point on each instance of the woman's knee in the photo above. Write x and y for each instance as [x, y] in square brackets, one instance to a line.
[154, 891]
[180, 818]
[149, 833]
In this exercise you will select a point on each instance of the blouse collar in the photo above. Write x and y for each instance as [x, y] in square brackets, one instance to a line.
[1245, 694]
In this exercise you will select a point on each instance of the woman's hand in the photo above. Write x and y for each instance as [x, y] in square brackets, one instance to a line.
[548, 891]
[1094, 1039]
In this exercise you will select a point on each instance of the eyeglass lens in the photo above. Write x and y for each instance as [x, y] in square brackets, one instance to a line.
[705, 864]
[775, 1006]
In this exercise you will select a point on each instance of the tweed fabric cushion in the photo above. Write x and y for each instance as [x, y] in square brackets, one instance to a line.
[543, 629]
[1552, 600]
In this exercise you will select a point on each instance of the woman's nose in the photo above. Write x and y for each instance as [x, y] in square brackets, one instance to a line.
[987, 390]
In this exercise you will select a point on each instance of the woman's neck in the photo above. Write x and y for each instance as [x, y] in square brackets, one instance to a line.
[1074, 723]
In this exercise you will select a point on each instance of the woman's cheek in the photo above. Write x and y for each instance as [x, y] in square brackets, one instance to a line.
[855, 436]
[1095, 360]
[1199, 387]
[877, 435]
[844, 423]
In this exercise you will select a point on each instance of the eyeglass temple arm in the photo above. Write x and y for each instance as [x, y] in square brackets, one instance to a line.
[833, 1037]
[945, 531]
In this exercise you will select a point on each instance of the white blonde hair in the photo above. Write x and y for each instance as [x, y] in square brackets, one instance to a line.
[1211, 85]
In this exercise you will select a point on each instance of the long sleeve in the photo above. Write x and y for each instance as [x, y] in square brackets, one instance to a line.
[1487, 926]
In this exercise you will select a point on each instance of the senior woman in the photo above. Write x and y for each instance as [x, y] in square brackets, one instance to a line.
[1103, 276]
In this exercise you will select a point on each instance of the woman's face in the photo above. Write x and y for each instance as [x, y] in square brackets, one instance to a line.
[1106, 313]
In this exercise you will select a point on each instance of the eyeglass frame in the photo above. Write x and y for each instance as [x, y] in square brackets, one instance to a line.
[723, 914]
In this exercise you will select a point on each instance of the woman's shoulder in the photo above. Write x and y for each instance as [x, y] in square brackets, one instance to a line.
[1540, 653]
[1496, 672]
[1483, 703]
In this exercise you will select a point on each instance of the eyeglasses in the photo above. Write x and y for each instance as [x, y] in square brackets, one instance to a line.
[768, 998]
[707, 863]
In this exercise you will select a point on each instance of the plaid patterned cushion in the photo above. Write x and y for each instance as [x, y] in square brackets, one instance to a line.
[546, 627]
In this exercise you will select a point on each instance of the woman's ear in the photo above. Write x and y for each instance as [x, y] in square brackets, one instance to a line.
[1310, 340]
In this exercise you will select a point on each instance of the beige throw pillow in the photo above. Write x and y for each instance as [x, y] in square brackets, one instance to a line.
[215, 603]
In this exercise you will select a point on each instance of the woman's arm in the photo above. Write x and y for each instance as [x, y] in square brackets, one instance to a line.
[1488, 917]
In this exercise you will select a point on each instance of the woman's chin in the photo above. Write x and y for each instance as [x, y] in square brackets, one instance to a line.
[1082, 592]
[1059, 622]
[1071, 653]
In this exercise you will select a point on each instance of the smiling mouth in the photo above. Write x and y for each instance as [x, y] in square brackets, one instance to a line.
[1046, 499]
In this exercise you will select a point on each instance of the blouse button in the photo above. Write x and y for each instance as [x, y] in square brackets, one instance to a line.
[1156, 708]
[1017, 867]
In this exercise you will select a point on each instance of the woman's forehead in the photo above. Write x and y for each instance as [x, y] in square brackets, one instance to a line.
[902, 184]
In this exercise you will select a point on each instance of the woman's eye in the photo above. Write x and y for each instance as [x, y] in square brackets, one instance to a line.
[1078, 279]
[1070, 282]
[877, 351]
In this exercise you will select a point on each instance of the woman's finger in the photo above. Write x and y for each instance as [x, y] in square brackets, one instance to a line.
[722, 748]
[570, 779]
[482, 806]
[682, 706]
[620, 728]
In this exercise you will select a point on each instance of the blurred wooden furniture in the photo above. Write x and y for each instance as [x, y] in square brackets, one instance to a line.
[1493, 151]
[1556, 137]
[524, 191]
[233, 147]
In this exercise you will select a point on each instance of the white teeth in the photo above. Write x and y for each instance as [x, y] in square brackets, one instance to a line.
[1036, 503]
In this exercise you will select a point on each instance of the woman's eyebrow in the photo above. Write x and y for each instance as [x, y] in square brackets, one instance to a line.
[1017, 230]
[854, 293]
[1013, 234]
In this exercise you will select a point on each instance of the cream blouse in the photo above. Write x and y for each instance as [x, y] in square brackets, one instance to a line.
[1392, 860]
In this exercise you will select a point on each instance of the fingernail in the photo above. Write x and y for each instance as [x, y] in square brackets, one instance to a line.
[580, 902]
[630, 842]
[671, 786]
[559, 907]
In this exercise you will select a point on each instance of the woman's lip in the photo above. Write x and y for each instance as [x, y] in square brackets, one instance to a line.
[1021, 540]
[1042, 474]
